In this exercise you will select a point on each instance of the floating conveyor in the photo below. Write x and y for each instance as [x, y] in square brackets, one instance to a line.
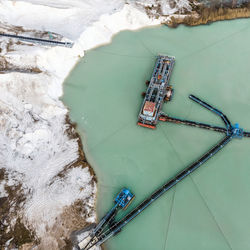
[230, 131]
[187, 171]
[122, 201]
[167, 118]
[214, 110]
[229, 128]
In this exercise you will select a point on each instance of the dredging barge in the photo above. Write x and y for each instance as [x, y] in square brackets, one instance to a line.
[159, 90]
[109, 227]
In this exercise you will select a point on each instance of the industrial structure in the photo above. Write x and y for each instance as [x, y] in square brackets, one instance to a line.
[158, 91]
[229, 130]
[122, 201]
[39, 40]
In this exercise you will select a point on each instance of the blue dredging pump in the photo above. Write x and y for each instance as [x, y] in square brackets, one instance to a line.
[122, 201]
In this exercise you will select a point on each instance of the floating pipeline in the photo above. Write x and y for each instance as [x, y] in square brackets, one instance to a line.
[122, 201]
[236, 130]
[214, 110]
[166, 118]
[115, 229]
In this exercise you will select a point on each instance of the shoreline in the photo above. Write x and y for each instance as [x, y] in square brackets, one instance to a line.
[98, 34]
[209, 16]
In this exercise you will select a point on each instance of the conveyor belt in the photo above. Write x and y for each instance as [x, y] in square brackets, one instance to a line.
[246, 134]
[38, 40]
[105, 220]
[214, 110]
[167, 118]
[229, 128]
[179, 177]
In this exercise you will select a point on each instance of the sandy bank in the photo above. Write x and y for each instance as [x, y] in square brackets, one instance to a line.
[45, 181]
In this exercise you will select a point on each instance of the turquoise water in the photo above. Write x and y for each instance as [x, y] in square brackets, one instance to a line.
[210, 209]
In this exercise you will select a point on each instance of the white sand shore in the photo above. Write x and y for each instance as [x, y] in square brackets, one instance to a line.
[34, 146]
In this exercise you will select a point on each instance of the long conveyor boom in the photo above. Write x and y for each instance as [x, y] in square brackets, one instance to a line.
[159, 192]
[105, 220]
[246, 134]
[167, 118]
[214, 110]
[227, 130]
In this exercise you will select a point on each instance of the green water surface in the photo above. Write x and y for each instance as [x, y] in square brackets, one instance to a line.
[210, 210]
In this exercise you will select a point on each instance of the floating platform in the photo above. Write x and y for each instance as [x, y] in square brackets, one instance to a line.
[159, 90]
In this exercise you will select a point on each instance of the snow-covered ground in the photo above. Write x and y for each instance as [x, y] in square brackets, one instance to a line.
[37, 152]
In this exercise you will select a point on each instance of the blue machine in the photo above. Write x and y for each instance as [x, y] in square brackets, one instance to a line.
[124, 198]
[237, 131]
